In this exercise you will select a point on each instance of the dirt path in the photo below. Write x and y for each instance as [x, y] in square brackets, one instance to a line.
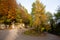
[12, 34]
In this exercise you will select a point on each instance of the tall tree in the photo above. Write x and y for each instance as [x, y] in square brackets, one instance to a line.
[8, 9]
[39, 16]
[57, 14]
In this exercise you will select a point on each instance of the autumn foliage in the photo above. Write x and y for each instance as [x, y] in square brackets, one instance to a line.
[11, 11]
[8, 9]
[39, 17]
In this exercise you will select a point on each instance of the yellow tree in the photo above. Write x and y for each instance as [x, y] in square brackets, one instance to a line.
[7, 9]
[39, 16]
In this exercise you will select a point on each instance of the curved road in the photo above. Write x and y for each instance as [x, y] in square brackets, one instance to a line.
[16, 34]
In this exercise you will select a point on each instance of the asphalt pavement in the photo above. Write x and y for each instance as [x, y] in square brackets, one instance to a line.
[17, 34]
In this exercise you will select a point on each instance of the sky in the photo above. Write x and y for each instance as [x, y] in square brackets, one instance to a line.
[51, 5]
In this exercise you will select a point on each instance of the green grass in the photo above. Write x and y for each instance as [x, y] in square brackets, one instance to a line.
[32, 33]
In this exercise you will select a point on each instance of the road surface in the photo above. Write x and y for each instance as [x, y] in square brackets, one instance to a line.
[17, 34]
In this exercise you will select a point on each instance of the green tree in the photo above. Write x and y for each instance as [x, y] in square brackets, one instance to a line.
[49, 15]
[57, 17]
[18, 18]
[57, 14]
[23, 14]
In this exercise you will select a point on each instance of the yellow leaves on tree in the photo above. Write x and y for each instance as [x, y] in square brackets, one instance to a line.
[39, 16]
[8, 8]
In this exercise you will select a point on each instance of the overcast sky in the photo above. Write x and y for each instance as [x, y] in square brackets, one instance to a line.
[51, 5]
